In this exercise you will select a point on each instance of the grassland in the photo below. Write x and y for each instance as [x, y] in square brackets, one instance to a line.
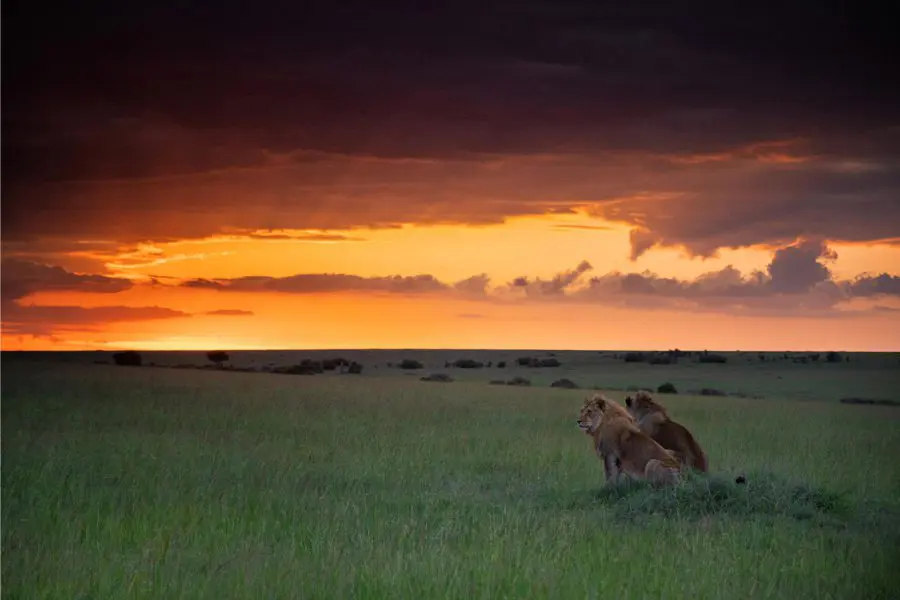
[122, 482]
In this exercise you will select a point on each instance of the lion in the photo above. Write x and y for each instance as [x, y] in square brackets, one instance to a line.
[612, 466]
[653, 420]
[622, 446]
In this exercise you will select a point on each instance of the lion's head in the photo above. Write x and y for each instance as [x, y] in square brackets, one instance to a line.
[642, 404]
[596, 410]
[591, 415]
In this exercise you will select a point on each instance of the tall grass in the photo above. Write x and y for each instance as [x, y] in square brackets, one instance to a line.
[148, 483]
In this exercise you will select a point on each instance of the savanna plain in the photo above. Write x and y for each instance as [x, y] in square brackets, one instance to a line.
[150, 482]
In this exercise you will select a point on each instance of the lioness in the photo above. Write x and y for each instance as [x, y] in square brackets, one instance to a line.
[622, 445]
[653, 420]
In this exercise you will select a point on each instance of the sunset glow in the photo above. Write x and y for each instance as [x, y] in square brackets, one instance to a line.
[298, 191]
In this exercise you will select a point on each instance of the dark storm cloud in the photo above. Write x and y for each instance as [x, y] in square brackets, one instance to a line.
[178, 120]
[20, 278]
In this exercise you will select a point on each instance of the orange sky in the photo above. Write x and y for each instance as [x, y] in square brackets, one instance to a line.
[536, 247]
[559, 174]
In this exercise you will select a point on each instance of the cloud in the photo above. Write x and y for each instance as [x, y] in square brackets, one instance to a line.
[47, 320]
[737, 205]
[796, 281]
[230, 312]
[553, 287]
[305, 237]
[403, 122]
[317, 283]
[476, 284]
[798, 268]
[874, 285]
[21, 278]
[570, 226]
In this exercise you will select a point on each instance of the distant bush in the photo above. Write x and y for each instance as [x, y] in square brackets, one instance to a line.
[633, 357]
[833, 357]
[564, 383]
[408, 363]
[305, 368]
[662, 359]
[468, 363]
[667, 388]
[501, 364]
[548, 362]
[712, 392]
[440, 377]
[128, 358]
[497, 382]
[707, 357]
[518, 381]
[524, 361]
[217, 357]
[315, 365]
[355, 368]
[875, 401]
[330, 364]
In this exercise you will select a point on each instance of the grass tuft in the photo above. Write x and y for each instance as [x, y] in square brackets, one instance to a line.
[698, 496]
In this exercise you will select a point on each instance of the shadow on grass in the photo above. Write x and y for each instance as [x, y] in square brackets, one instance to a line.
[699, 496]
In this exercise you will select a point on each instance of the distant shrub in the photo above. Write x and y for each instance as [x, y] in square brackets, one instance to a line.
[218, 357]
[662, 359]
[304, 368]
[548, 362]
[501, 364]
[667, 388]
[518, 381]
[468, 363]
[708, 357]
[315, 365]
[633, 357]
[564, 383]
[712, 392]
[833, 357]
[497, 382]
[128, 358]
[330, 364]
[440, 377]
[524, 361]
[875, 401]
[408, 363]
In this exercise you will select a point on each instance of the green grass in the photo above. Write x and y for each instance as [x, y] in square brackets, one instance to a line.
[157, 483]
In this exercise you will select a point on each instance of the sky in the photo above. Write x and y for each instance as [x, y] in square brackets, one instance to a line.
[492, 174]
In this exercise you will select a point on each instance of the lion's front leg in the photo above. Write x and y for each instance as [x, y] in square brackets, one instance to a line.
[611, 467]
